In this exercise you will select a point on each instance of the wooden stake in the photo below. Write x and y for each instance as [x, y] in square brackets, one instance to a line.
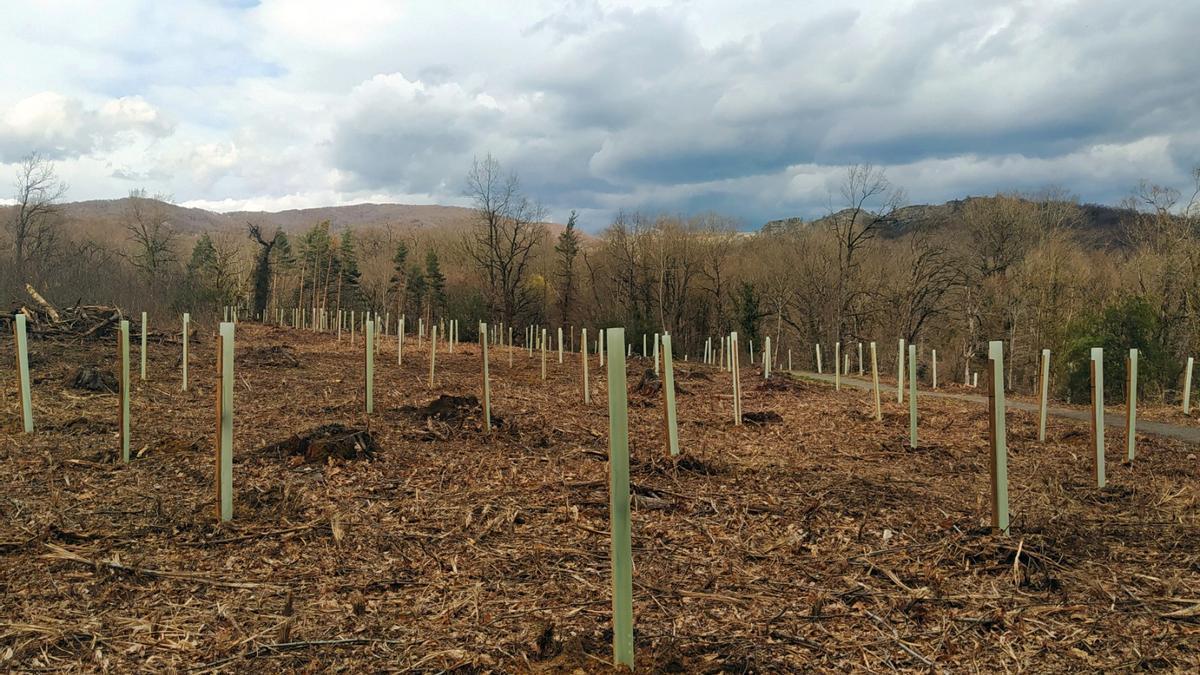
[123, 355]
[998, 463]
[837, 366]
[369, 362]
[187, 319]
[618, 505]
[1131, 380]
[912, 396]
[143, 346]
[487, 384]
[1044, 395]
[225, 422]
[21, 338]
[1097, 366]
[669, 397]
[432, 351]
[875, 383]
[583, 345]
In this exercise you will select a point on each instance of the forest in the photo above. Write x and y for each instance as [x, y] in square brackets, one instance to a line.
[1025, 268]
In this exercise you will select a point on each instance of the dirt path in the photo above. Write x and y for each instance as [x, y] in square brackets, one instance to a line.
[1183, 433]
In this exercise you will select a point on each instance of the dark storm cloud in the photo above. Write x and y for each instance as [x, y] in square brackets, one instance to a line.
[626, 108]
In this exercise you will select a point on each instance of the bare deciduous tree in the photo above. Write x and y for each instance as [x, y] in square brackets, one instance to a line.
[153, 237]
[869, 202]
[508, 227]
[33, 223]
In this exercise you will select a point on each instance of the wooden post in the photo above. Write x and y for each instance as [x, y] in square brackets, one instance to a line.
[1044, 395]
[1131, 380]
[618, 505]
[933, 364]
[487, 383]
[225, 422]
[668, 384]
[1187, 387]
[432, 351]
[143, 355]
[998, 463]
[819, 371]
[21, 338]
[837, 366]
[1097, 366]
[187, 319]
[123, 355]
[900, 373]
[875, 383]
[583, 348]
[369, 351]
[912, 396]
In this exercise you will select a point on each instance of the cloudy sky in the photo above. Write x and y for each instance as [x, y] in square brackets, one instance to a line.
[751, 108]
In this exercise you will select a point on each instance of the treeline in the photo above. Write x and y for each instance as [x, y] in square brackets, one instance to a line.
[1013, 267]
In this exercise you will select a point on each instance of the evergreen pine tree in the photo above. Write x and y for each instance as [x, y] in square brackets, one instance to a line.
[435, 283]
[567, 249]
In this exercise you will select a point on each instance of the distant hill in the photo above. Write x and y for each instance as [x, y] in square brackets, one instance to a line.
[1098, 224]
[104, 215]
[360, 215]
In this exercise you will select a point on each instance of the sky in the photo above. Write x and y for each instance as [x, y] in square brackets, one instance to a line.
[752, 109]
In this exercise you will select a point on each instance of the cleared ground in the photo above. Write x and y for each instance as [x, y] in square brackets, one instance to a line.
[816, 541]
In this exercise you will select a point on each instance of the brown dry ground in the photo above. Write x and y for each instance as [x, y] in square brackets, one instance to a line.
[822, 542]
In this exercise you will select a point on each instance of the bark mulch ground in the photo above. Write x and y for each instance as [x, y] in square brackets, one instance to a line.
[418, 540]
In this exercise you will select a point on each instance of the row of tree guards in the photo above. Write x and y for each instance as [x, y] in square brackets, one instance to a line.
[610, 345]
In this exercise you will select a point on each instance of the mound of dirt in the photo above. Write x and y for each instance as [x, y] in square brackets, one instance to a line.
[651, 385]
[328, 440]
[274, 356]
[91, 378]
[446, 408]
[761, 418]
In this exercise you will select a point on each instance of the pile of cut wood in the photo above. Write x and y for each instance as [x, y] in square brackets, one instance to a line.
[81, 322]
